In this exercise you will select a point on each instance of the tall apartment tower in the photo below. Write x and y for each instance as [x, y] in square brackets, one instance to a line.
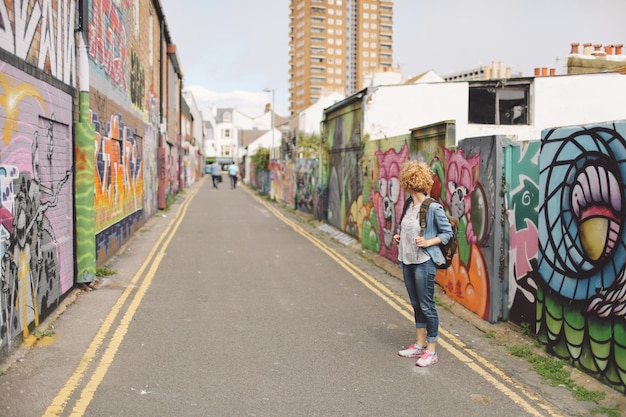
[333, 43]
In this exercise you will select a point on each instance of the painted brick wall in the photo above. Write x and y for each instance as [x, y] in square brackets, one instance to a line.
[36, 221]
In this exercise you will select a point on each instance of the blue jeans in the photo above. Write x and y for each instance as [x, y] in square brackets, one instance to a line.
[420, 283]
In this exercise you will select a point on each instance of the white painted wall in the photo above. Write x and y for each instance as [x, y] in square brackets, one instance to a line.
[579, 99]
[198, 123]
[309, 119]
[555, 101]
[394, 110]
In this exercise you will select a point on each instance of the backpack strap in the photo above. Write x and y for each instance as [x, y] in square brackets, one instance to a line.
[423, 213]
[407, 204]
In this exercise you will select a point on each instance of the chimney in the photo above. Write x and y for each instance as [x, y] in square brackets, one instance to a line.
[608, 49]
[597, 51]
[501, 73]
[618, 49]
[544, 71]
[508, 72]
[537, 72]
[552, 71]
[487, 73]
[494, 70]
[574, 48]
[586, 49]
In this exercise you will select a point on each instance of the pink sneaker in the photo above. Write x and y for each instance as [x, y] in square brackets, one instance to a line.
[427, 359]
[413, 351]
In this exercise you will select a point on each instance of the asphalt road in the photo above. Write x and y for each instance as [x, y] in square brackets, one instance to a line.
[229, 305]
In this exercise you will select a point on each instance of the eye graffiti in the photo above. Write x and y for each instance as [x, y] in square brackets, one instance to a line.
[583, 211]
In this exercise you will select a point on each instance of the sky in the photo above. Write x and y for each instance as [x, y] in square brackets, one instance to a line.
[230, 51]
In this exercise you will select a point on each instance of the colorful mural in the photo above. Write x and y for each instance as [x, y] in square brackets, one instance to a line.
[108, 43]
[306, 184]
[41, 33]
[150, 146]
[343, 180]
[36, 213]
[388, 197]
[522, 167]
[118, 183]
[581, 271]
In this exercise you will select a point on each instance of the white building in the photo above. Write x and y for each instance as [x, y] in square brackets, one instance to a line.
[193, 140]
[519, 108]
[309, 119]
[223, 129]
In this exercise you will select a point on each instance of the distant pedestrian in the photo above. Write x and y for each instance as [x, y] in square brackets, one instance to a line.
[216, 174]
[233, 171]
[419, 252]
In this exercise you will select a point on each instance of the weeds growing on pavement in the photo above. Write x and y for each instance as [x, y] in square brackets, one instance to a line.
[489, 334]
[609, 412]
[169, 201]
[525, 328]
[553, 372]
[104, 271]
[45, 333]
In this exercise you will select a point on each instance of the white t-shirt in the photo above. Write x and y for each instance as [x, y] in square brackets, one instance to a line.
[408, 251]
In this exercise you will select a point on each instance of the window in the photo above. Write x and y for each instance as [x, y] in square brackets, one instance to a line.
[498, 105]
[226, 133]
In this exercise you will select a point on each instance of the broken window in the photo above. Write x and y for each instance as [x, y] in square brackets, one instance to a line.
[498, 105]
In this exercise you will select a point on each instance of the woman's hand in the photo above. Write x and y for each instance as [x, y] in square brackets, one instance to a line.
[424, 243]
[396, 239]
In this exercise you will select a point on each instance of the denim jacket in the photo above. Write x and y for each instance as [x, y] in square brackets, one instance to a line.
[437, 224]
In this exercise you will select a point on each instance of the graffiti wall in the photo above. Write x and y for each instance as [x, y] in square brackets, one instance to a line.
[581, 271]
[125, 113]
[306, 175]
[376, 216]
[467, 183]
[41, 33]
[342, 185]
[36, 212]
[522, 207]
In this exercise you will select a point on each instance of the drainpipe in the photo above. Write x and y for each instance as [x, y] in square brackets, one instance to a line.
[181, 151]
[161, 155]
[84, 148]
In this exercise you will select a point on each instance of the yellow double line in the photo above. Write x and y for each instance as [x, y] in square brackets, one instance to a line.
[60, 402]
[526, 400]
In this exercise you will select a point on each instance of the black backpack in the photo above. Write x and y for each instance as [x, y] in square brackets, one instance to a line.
[449, 249]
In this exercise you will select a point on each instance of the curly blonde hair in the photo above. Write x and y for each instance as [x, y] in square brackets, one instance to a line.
[416, 177]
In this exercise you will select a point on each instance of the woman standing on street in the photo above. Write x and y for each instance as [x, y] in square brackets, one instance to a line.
[419, 253]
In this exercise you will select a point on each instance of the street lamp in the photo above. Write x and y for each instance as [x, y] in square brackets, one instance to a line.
[271, 90]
